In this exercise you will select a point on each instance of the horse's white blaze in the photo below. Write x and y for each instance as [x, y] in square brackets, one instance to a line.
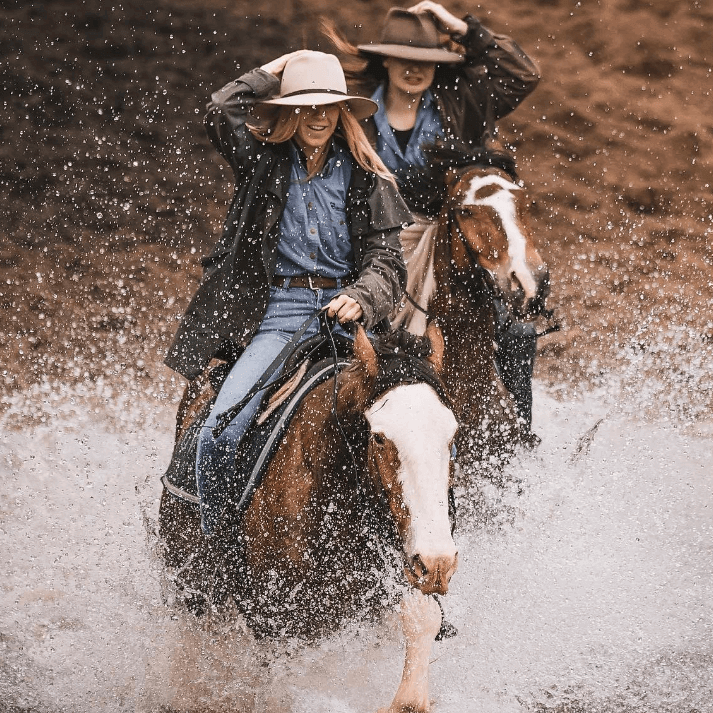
[503, 203]
[422, 428]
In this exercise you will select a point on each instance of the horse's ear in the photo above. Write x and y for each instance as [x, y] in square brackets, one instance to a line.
[450, 177]
[357, 382]
[364, 352]
[494, 143]
[435, 336]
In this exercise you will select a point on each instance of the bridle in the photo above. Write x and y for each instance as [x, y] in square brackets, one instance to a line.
[399, 364]
[394, 370]
[475, 278]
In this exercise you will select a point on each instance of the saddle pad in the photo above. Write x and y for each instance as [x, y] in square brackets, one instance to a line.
[255, 451]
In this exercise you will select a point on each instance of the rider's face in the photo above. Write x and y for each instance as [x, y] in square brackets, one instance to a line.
[409, 76]
[316, 126]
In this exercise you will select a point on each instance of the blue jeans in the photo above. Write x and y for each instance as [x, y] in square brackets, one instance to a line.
[215, 469]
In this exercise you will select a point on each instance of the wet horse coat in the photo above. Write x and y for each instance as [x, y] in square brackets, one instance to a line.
[334, 516]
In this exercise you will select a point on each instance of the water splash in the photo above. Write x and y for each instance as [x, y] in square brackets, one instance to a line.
[587, 588]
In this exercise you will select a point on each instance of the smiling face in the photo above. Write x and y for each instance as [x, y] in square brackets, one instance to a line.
[409, 76]
[316, 126]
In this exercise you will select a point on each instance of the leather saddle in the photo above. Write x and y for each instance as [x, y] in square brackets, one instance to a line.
[311, 363]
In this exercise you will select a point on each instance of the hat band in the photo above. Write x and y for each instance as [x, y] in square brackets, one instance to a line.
[313, 91]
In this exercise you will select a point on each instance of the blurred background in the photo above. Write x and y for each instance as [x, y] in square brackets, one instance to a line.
[112, 192]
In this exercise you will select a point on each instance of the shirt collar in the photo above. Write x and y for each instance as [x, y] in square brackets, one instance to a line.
[428, 99]
[334, 153]
[427, 103]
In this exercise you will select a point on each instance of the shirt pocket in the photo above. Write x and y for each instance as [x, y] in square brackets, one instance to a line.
[339, 248]
[338, 219]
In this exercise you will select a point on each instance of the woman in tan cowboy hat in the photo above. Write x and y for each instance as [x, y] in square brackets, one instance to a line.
[313, 224]
[428, 91]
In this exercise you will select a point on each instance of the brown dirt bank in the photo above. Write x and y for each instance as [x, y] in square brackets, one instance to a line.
[111, 191]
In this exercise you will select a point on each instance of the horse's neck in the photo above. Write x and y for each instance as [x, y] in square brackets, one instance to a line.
[463, 307]
[468, 332]
[465, 315]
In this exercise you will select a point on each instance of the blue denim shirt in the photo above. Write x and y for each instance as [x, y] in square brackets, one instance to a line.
[427, 127]
[314, 233]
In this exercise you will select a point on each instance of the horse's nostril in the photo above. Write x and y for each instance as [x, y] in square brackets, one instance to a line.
[418, 567]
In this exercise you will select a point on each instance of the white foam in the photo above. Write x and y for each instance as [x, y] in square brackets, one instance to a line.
[589, 584]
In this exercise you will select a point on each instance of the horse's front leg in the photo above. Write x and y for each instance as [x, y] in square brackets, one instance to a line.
[421, 621]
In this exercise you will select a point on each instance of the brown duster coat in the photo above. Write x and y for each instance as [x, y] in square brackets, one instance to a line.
[229, 305]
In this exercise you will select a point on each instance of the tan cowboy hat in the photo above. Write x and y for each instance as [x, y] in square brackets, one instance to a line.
[314, 79]
[410, 35]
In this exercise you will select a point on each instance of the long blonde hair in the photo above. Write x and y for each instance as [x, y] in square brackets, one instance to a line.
[283, 124]
[363, 73]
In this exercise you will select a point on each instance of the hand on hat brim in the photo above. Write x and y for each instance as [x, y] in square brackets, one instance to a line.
[445, 20]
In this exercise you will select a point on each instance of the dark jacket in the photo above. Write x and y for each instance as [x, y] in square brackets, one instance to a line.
[229, 305]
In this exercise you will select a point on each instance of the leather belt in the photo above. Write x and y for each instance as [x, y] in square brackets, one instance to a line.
[314, 282]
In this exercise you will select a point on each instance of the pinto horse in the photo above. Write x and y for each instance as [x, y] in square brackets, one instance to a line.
[360, 481]
[482, 249]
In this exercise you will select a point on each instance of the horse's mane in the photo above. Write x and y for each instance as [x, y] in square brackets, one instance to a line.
[399, 341]
[402, 360]
[423, 187]
[443, 156]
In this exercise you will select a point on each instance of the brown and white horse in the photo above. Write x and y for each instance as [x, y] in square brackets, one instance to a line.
[360, 482]
[482, 248]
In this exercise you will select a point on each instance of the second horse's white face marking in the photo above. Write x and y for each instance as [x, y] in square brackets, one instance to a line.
[503, 203]
[422, 429]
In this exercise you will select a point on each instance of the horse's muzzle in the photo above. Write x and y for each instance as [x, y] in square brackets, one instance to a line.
[528, 308]
[431, 575]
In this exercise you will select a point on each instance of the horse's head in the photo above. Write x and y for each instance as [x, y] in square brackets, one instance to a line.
[490, 226]
[411, 430]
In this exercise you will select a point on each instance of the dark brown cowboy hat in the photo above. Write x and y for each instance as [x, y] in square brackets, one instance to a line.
[410, 35]
[315, 79]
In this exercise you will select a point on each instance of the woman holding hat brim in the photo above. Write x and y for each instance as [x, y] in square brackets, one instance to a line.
[313, 224]
[426, 91]
[413, 76]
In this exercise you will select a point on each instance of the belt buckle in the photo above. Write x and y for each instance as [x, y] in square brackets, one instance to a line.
[311, 286]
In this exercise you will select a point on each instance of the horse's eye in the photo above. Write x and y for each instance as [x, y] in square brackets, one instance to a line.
[378, 439]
